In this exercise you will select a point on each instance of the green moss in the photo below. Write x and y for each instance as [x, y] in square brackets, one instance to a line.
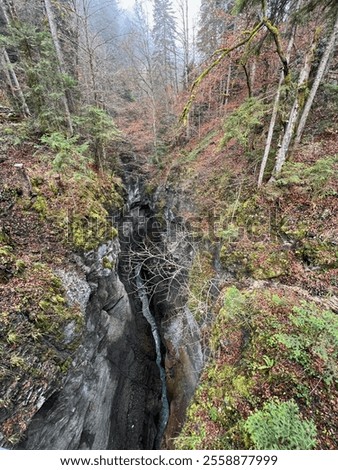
[89, 225]
[87, 233]
[257, 260]
[107, 263]
[318, 253]
[41, 206]
[65, 365]
[250, 217]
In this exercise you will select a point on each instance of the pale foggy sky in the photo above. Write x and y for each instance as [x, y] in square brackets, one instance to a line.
[194, 6]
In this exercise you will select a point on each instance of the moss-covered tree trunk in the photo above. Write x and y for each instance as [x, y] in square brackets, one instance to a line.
[276, 105]
[9, 72]
[296, 109]
[319, 76]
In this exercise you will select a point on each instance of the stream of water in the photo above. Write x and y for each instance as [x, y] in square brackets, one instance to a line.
[164, 414]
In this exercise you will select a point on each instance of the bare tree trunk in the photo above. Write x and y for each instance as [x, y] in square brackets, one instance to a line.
[319, 76]
[14, 84]
[59, 54]
[9, 71]
[227, 90]
[10, 9]
[248, 81]
[275, 108]
[183, 36]
[253, 73]
[5, 69]
[270, 132]
[91, 54]
[186, 45]
[294, 113]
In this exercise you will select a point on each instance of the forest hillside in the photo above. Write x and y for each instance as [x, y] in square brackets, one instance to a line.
[168, 224]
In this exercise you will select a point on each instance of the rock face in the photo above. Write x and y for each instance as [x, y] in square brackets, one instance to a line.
[112, 397]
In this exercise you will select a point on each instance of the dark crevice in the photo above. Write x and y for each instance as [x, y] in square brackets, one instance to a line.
[116, 393]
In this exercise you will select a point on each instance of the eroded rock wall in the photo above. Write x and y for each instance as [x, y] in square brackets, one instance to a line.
[110, 399]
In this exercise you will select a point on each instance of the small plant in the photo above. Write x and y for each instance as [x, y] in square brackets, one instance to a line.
[279, 426]
[242, 122]
[6, 251]
[292, 174]
[229, 233]
[318, 178]
[193, 441]
[321, 175]
[268, 363]
[277, 301]
[235, 305]
[40, 205]
[99, 130]
[17, 361]
[12, 337]
[70, 155]
[314, 335]
[20, 266]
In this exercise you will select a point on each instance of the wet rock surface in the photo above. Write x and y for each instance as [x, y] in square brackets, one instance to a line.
[112, 396]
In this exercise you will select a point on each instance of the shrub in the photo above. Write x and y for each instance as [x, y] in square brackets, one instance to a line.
[242, 122]
[99, 130]
[69, 153]
[279, 426]
[314, 336]
[318, 178]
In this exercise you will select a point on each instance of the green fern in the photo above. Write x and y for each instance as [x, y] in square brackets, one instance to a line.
[279, 426]
[69, 153]
[242, 122]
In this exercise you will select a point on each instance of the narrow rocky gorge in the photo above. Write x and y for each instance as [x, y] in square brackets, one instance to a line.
[138, 365]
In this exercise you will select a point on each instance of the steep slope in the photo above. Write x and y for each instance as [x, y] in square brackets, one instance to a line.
[264, 290]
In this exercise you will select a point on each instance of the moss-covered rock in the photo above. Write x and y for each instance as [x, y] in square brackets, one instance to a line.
[257, 260]
[35, 350]
[318, 253]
